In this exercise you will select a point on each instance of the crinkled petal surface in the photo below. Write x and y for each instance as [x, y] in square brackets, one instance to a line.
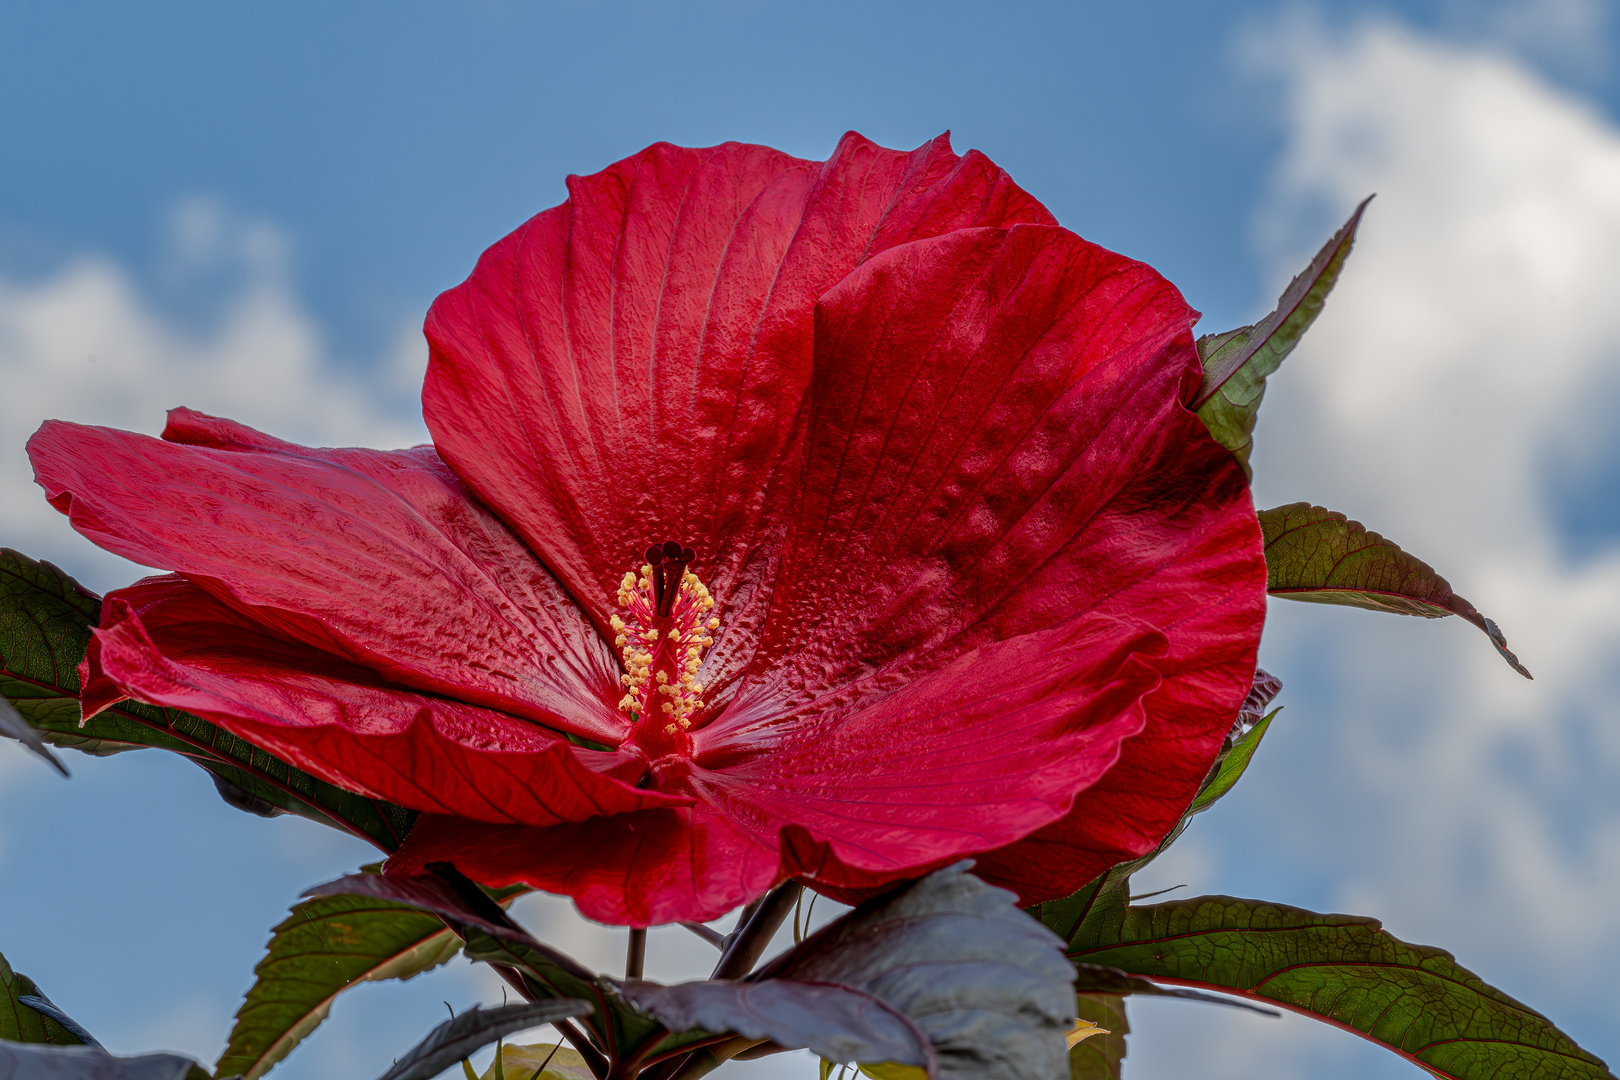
[382, 559]
[167, 642]
[998, 445]
[629, 366]
[965, 759]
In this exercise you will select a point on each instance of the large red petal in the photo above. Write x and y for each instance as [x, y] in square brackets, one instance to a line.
[999, 444]
[166, 642]
[643, 869]
[381, 558]
[975, 755]
[627, 367]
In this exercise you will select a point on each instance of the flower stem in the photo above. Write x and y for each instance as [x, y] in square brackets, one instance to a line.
[704, 1062]
[750, 943]
[635, 957]
[714, 938]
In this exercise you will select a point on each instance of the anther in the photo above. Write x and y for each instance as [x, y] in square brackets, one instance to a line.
[665, 626]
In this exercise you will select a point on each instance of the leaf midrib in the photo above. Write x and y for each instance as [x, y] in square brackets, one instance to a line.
[253, 1070]
[1409, 1055]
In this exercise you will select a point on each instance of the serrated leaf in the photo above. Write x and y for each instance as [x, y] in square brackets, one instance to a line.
[987, 986]
[326, 946]
[45, 622]
[1321, 556]
[1100, 1056]
[1415, 1000]
[1237, 362]
[34, 1061]
[463, 1035]
[618, 1028]
[19, 1022]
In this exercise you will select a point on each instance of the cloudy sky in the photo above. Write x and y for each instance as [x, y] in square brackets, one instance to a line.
[248, 211]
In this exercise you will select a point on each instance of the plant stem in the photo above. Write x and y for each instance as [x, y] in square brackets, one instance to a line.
[480, 904]
[750, 942]
[718, 940]
[704, 1062]
[635, 957]
[594, 1060]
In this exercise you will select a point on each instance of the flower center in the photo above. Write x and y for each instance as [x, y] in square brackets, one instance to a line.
[661, 637]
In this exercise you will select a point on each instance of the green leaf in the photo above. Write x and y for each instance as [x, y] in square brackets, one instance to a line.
[1237, 362]
[891, 1071]
[327, 945]
[538, 1061]
[1323, 557]
[45, 623]
[1100, 1057]
[1415, 1000]
[20, 1022]
[1100, 979]
[1231, 765]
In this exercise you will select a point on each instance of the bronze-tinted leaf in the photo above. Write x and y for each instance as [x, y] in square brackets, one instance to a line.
[987, 985]
[35, 1061]
[1321, 556]
[1237, 362]
[840, 1023]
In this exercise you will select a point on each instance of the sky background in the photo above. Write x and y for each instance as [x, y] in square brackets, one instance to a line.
[247, 209]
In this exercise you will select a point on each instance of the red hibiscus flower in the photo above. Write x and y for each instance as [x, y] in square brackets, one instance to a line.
[941, 564]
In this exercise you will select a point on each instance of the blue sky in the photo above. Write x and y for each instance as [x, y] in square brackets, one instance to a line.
[248, 209]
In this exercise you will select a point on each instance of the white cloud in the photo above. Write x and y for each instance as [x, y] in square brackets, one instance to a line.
[1571, 34]
[1469, 353]
[84, 345]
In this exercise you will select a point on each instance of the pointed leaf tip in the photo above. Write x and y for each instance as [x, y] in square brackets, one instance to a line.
[1319, 555]
[1100, 1056]
[1237, 362]
[13, 726]
[1498, 639]
[46, 1007]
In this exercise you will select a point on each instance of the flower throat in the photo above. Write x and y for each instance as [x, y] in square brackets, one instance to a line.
[665, 628]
